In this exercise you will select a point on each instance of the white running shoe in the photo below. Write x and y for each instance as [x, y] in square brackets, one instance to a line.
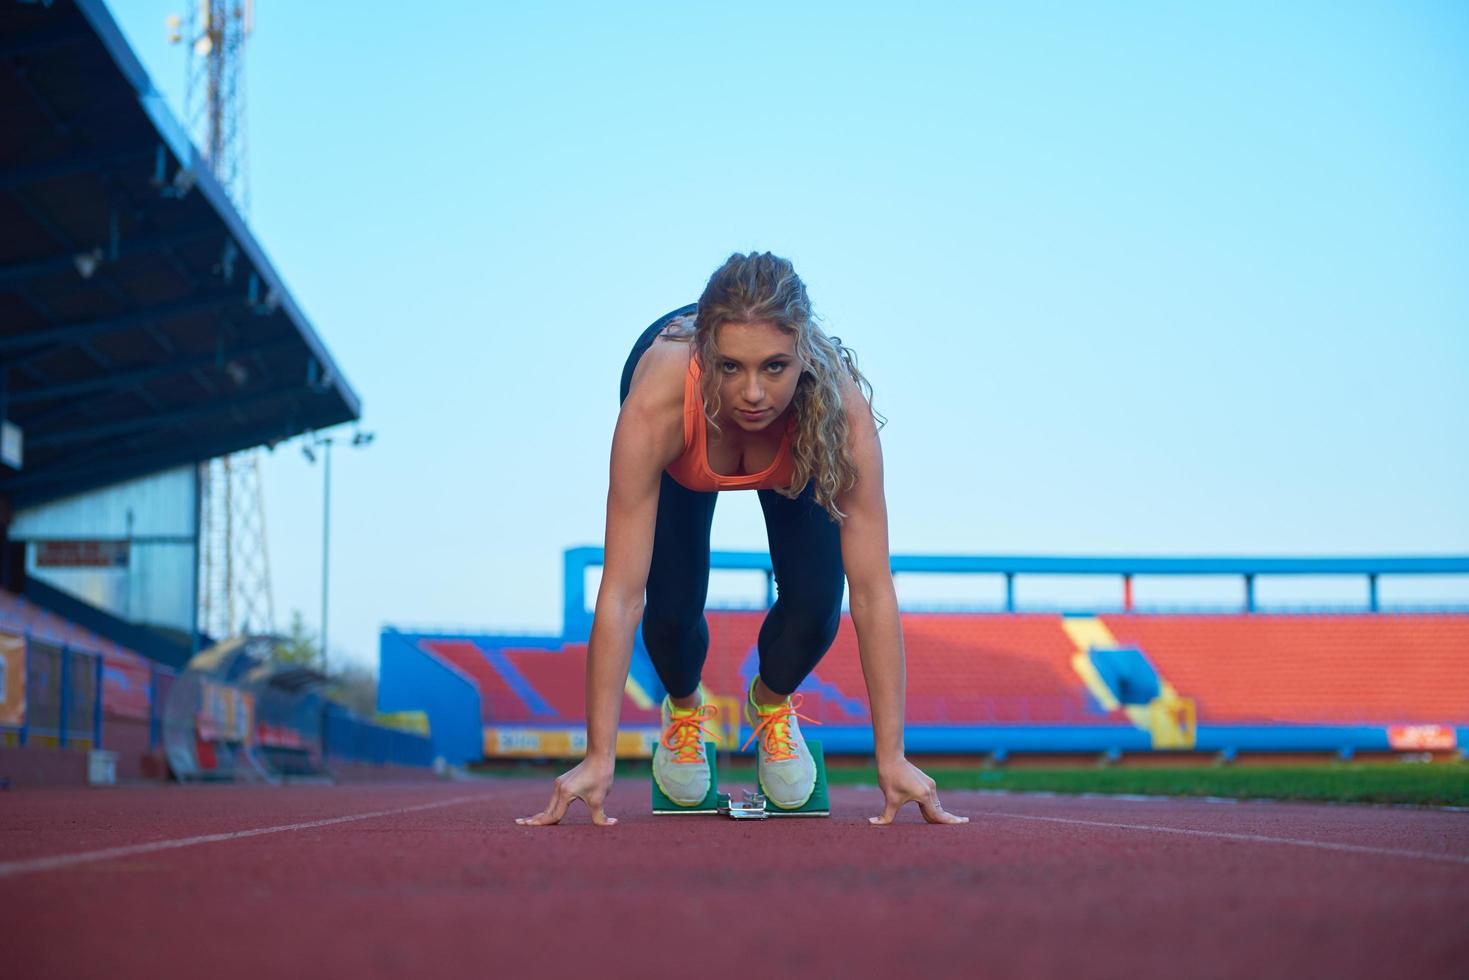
[681, 764]
[784, 766]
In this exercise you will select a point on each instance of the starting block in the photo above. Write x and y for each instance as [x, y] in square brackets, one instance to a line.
[754, 805]
[662, 805]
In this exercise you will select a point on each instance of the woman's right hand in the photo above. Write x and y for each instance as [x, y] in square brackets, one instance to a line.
[589, 782]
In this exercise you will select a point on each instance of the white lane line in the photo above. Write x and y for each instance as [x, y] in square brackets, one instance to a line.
[1252, 838]
[11, 868]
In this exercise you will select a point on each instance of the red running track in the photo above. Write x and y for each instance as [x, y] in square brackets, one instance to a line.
[436, 880]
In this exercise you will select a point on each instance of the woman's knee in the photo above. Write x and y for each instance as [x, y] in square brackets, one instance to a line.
[678, 646]
[808, 630]
[792, 655]
[669, 629]
[819, 632]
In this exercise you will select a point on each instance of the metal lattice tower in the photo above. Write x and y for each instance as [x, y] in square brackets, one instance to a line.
[234, 571]
[215, 32]
[234, 566]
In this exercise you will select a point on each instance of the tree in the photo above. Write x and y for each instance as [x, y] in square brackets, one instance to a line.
[354, 686]
[297, 648]
[351, 685]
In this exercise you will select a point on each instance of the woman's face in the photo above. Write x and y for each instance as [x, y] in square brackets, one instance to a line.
[757, 370]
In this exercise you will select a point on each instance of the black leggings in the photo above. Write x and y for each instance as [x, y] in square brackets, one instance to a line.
[805, 552]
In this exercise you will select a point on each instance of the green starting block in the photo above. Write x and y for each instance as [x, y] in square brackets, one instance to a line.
[755, 805]
[710, 804]
[819, 805]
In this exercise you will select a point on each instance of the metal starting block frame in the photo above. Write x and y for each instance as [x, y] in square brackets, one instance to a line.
[753, 805]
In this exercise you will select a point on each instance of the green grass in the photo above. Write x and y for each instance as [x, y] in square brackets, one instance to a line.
[1440, 784]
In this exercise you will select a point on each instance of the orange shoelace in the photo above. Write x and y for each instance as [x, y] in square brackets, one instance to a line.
[774, 730]
[685, 734]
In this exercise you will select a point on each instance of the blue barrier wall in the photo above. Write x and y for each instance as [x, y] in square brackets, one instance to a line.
[345, 736]
[411, 680]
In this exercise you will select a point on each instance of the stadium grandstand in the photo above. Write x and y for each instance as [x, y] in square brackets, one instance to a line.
[1201, 684]
[143, 332]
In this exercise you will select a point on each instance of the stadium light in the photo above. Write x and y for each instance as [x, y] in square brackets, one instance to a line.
[358, 440]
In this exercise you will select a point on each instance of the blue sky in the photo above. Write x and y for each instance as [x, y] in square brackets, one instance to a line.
[1128, 278]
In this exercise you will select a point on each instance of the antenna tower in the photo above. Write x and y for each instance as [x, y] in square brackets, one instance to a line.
[234, 579]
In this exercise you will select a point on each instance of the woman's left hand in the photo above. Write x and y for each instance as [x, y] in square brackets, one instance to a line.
[904, 782]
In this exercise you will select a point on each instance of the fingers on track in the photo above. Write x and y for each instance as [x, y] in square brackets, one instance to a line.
[556, 809]
[932, 810]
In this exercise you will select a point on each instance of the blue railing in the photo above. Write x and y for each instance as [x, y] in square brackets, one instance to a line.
[354, 739]
[65, 691]
[60, 717]
[578, 618]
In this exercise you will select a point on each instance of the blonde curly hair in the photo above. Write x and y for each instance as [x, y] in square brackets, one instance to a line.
[761, 287]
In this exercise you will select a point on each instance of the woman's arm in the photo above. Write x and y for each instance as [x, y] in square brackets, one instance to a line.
[874, 604]
[632, 511]
[642, 445]
[870, 591]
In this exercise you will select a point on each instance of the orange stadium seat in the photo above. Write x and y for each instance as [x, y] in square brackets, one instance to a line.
[498, 701]
[1015, 668]
[554, 678]
[962, 669]
[559, 677]
[1338, 668]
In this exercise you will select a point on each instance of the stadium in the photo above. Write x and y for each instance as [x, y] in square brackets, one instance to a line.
[1214, 684]
[186, 787]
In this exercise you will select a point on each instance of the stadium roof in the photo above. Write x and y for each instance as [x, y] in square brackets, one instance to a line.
[141, 324]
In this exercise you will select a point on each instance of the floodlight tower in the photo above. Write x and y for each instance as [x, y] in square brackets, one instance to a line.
[234, 579]
[214, 87]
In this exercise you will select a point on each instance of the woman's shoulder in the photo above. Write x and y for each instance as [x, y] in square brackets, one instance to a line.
[654, 407]
[658, 380]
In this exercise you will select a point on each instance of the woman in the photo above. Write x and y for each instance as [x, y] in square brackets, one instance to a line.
[744, 391]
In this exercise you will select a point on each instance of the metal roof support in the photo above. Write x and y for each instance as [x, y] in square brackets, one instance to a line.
[131, 203]
[168, 346]
[31, 371]
[23, 80]
[44, 485]
[140, 245]
[125, 380]
[44, 312]
[39, 308]
[41, 420]
[70, 332]
[85, 262]
[38, 40]
[81, 163]
[106, 282]
[106, 429]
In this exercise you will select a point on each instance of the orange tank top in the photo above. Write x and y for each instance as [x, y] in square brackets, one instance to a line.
[692, 468]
